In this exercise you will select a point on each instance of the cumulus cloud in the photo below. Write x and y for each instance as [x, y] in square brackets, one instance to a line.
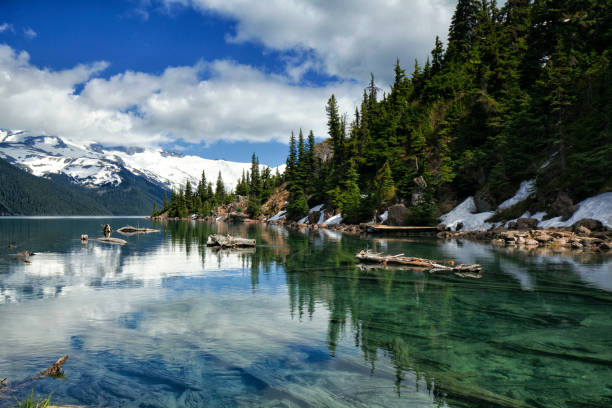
[234, 102]
[350, 39]
[29, 33]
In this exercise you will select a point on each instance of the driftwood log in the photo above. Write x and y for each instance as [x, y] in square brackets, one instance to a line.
[128, 229]
[227, 241]
[6, 388]
[417, 263]
[110, 240]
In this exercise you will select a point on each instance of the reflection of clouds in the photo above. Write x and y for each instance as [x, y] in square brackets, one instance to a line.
[467, 252]
[108, 265]
[522, 265]
[519, 273]
[330, 235]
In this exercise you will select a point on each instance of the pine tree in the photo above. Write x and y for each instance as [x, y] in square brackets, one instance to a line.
[255, 185]
[291, 162]
[351, 196]
[462, 29]
[437, 54]
[385, 190]
[220, 190]
[302, 164]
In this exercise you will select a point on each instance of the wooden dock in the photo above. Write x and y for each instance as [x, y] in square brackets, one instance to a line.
[389, 229]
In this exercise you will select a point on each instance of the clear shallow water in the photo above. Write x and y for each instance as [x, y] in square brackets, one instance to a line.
[166, 322]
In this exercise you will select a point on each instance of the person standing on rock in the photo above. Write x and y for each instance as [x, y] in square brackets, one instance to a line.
[107, 231]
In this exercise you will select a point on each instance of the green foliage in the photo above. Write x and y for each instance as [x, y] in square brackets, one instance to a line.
[350, 198]
[32, 401]
[297, 206]
[24, 194]
[515, 87]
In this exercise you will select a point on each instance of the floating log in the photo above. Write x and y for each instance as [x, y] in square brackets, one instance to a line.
[417, 263]
[390, 229]
[129, 229]
[227, 241]
[110, 240]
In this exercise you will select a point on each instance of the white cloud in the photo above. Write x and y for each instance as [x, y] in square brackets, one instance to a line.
[235, 102]
[6, 27]
[350, 39]
[29, 33]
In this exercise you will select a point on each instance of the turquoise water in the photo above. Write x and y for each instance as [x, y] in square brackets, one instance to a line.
[166, 322]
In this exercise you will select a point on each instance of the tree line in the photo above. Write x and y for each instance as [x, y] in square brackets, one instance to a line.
[520, 91]
[257, 184]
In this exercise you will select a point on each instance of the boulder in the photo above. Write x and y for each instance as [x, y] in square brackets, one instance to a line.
[526, 223]
[582, 230]
[397, 215]
[482, 205]
[588, 223]
[531, 242]
[543, 237]
[576, 244]
[563, 205]
[560, 242]
[313, 217]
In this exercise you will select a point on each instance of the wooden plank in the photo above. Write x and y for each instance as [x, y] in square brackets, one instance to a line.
[377, 228]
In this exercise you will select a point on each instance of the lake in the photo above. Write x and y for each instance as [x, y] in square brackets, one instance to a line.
[166, 322]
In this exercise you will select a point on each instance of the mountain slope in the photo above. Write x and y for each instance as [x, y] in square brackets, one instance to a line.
[24, 194]
[95, 165]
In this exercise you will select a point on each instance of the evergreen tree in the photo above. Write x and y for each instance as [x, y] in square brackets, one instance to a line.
[462, 29]
[351, 196]
[437, 54]
[291, 162]
[220, 190]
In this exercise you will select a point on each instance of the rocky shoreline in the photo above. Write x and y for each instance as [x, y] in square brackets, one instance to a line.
[586, 235]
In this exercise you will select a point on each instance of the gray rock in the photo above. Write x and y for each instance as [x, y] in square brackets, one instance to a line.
[526, 223]
[482, 205]
[588, 223]
[397, 215]
[563, 205]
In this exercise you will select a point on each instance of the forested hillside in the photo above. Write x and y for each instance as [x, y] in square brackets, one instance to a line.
[24, 194]
[519, 92]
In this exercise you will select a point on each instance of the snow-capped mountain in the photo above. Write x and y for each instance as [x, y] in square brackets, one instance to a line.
[95, 165]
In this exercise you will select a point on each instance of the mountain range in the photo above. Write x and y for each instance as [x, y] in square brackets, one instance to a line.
[99, 179]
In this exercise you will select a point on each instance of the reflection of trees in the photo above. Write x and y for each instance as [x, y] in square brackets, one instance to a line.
[470, 342]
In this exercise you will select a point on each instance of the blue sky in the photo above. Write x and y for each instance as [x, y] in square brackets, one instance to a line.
[220, 79]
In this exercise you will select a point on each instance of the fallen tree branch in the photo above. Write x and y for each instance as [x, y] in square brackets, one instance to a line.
[418, 263]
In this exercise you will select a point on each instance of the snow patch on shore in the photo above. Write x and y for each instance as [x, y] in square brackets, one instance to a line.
[384, 216]
[598, 208]
[336, 219]
[525, 190]
[466, 213]
[278, 216]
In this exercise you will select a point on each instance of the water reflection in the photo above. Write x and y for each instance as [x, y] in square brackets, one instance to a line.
[165, 321]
